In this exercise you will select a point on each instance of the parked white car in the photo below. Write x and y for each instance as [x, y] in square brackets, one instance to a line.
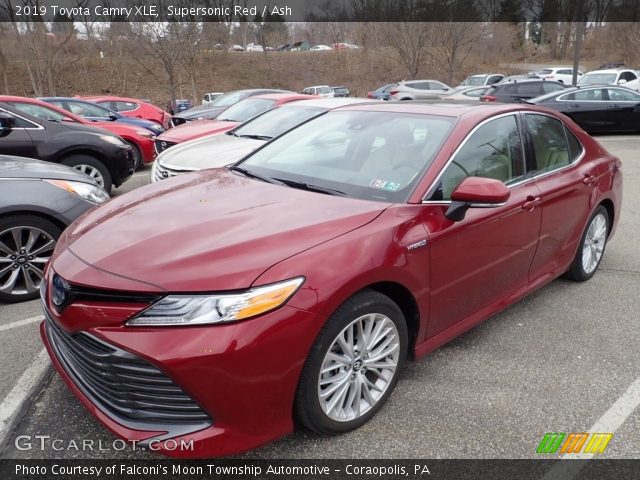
[322, 90]
[209, 98]
[236, 48]
[481, 79]
[253, 47]
[418, 89]
[559, 74]
[613, 76]
[321, 48]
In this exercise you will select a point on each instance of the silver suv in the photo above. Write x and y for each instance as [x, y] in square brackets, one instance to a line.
[417, 90]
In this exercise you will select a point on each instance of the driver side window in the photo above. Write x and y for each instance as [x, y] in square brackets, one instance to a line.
[493, 151]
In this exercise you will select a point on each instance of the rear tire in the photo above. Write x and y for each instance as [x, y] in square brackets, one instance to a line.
[92, 167]
[353, 365]
[26, 244]
[591, 247]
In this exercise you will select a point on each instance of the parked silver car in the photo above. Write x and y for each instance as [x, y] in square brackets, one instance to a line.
[37, 201]
[222, 149]
[418, 90]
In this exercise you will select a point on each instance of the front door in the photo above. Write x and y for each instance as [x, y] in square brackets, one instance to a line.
[481, 259]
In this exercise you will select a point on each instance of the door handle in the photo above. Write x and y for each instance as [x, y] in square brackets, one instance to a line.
[589, 180]
[531, 203]
[613, 105]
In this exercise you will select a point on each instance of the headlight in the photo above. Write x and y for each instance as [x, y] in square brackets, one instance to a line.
[93, 193]
[145, 133]
[112, 139]
[175, 310]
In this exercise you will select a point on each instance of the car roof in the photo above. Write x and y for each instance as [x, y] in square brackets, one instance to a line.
[455, 109]
[610, 70]
[332, 102]
[280, 96]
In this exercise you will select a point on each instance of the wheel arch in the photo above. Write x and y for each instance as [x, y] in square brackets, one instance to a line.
[403, 297]
[36, 213]
[608, 205]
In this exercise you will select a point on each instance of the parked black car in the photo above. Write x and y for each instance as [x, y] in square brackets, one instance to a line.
[340, 91]
[95, 152]
[599, 109]
[515, 92]
[219, 105]
[37, 202]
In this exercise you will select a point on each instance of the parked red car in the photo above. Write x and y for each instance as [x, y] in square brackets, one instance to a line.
[294, 284]
[132, 107]
[231, 117]
[140, 139]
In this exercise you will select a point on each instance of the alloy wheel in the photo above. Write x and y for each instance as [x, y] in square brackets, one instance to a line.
[24, 251]
[359, 367]
[594, 243]
[92, 172]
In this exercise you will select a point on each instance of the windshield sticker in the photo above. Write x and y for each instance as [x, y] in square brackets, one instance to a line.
[383, 184]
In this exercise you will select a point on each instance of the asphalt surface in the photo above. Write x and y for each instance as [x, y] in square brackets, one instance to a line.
[555, 362]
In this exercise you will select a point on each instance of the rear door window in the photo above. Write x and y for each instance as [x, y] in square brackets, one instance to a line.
[530, 88]
[550, 145]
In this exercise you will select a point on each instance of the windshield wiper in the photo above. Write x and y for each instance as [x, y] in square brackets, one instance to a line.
[256, 137]
[231, 132]
[312, 188]
[249, 174]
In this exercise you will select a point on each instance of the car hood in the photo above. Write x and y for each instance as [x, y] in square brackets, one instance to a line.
[195, 129]
[21, 167]
[212, 230]
[199, 112]
[197, 154]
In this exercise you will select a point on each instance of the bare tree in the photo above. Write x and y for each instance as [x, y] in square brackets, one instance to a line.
[408, 42]
[450, 45]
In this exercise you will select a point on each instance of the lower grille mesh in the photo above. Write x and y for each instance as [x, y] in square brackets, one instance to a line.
[123, 385]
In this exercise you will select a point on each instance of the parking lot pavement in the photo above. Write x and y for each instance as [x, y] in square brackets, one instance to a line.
[558, 361]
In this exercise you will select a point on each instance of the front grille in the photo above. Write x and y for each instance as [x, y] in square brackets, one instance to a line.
[161, 172]
[131, 165]
[162, 145]
[124, 386]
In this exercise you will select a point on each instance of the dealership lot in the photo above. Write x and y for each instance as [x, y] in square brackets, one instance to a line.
[555, 362]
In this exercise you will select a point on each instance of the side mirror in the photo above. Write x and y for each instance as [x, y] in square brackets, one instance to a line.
[112, 117]
[445, 89]
[7, 122]
[476, 192]
[622, 81]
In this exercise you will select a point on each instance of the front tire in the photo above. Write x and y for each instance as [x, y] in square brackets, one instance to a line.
[137, 156]
[353, 365]
[591, 247]
[91, 167]
[26, 244]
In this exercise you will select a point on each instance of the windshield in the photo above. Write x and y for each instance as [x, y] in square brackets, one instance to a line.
[367, 155]
[597, 79]
[246, 109]
[277, 121]
[474, 80]
[229, 99]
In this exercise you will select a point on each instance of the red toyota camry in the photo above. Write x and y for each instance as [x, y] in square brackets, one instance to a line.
[291, 287]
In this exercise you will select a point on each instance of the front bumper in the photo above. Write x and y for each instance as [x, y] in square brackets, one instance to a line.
[244, 375]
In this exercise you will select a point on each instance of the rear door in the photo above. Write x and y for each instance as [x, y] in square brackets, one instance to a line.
[565, 184]
[589, 109]
[623, 109]
[485, 257]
